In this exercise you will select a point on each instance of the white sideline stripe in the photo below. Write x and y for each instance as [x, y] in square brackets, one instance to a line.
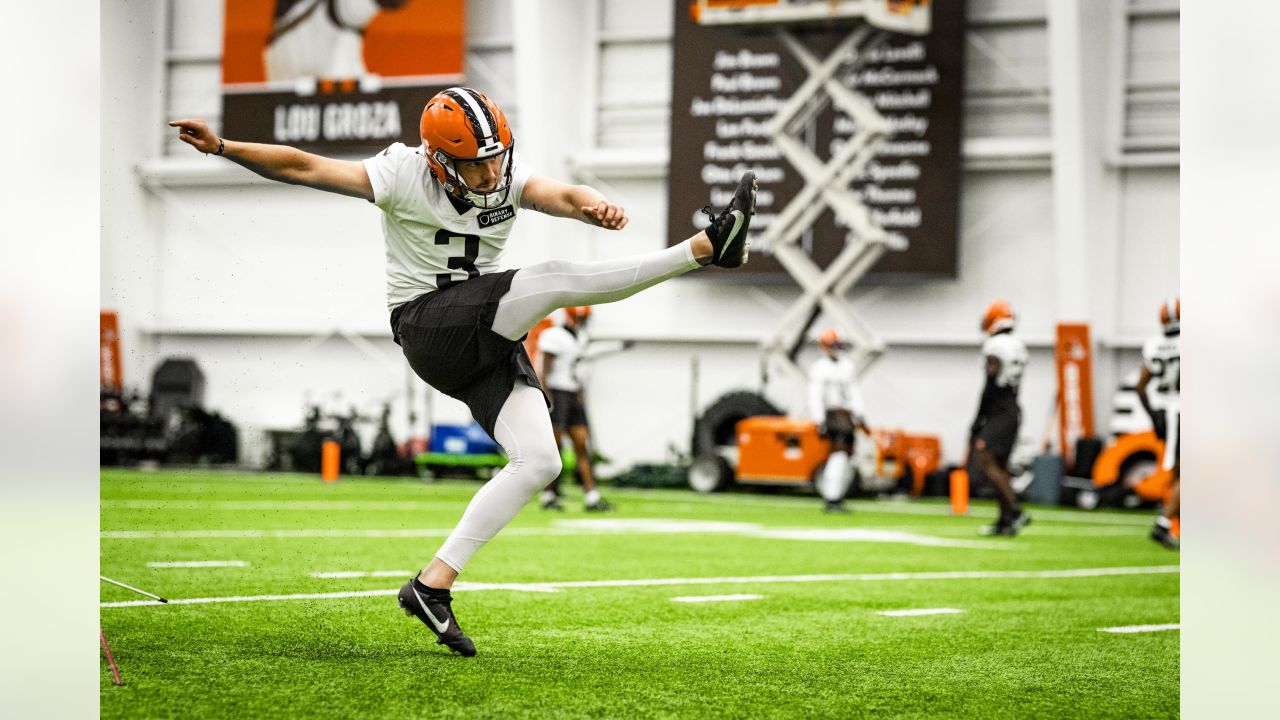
[342, 574]
[1141, 628]
[920, 611]
[316, 533]
[677, 497]
[198, 564]
[714, 598]
[556, 586]
[319, 505]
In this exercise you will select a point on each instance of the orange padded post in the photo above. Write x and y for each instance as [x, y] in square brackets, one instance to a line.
[959, 492]
[330, 460]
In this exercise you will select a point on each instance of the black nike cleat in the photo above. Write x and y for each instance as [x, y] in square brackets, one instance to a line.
[434, 608]
[1163, 536]
[728, 230]
[835, 506]
[600, 505]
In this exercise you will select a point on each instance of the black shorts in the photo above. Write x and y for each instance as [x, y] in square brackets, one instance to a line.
[447, 337]
[1000, 433]
[567, 410]
[839, 427]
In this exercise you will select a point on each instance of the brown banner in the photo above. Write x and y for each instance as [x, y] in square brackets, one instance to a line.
[729, 81]
[336, 77]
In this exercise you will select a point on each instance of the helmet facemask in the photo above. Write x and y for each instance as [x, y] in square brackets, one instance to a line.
[456, 184]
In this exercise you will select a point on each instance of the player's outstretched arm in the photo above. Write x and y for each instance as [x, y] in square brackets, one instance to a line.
[280, 162]
[579, 202]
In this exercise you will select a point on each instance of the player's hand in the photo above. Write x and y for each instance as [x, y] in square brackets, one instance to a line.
[606, 215]
[197, 134]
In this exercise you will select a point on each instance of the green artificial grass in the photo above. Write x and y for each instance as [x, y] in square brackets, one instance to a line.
[1022, 647]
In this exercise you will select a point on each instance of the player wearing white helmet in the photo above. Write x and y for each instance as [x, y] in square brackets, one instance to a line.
[1161, 361]
[995, 429]
[448, 207]
[835, 403]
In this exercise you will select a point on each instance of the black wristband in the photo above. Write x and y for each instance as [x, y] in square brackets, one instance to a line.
[221, 146]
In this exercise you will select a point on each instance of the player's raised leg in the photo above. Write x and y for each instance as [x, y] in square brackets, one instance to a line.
[538, 289]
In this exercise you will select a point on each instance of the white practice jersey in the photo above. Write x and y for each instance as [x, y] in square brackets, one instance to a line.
[833, 385]
[1160, 355]
[1012, 355]
[429, 243]
[568, 351]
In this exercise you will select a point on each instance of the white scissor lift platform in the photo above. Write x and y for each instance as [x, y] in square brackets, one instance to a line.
[825, 184]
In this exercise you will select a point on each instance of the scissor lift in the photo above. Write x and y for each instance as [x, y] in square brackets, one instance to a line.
[826, 184]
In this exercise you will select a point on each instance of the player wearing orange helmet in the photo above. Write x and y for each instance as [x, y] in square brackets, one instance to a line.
[564, 346]
[995, 429]
[1161, 362]
[835, 403]
[448, 208]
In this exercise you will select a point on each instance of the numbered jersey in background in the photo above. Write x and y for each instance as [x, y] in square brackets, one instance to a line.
[1160, 355]
[430, 244]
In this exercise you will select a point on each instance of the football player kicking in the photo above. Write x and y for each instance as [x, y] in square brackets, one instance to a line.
[448, 207]
[995, 429]
[1160, 362]
[835, 403]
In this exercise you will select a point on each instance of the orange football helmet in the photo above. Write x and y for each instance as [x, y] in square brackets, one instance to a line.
[831, 340]
[461, 124]
[998, 317]
[1171, 316]
[578, 314]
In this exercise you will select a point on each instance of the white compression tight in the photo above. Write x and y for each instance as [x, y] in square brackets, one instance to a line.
[524, 426]
[524, 431]
[538, 289]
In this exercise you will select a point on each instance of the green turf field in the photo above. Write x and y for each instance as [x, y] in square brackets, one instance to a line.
[556, 638]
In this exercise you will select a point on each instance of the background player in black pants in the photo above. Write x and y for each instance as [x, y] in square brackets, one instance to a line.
[995, 429]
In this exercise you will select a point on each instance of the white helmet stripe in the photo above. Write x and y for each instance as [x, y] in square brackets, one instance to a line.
[478, 111]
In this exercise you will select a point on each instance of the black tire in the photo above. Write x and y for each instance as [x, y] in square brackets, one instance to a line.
[716, 427]
[1114, 495]
[709, 473]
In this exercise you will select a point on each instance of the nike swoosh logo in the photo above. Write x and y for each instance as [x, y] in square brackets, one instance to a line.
[440, 626]
[733, 234]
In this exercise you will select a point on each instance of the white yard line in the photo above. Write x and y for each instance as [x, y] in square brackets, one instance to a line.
[198, 564]
[344, 574]
[652, 582]
[637, 526]
[714, 598]
[676, 498]
[311, 505]
[1141, 628]
[919, 611]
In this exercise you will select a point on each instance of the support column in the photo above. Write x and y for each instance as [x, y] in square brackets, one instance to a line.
[1085, 189]
[552, 41]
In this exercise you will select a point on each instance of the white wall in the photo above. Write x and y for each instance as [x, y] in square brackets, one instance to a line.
[278, 291]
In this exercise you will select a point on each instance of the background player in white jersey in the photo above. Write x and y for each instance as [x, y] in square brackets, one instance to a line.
[564, 347]
[1161, 362]
[447, 210]
[995, 429]
[835, 403]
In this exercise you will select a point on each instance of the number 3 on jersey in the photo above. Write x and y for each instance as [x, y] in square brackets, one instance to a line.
[466, 263]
